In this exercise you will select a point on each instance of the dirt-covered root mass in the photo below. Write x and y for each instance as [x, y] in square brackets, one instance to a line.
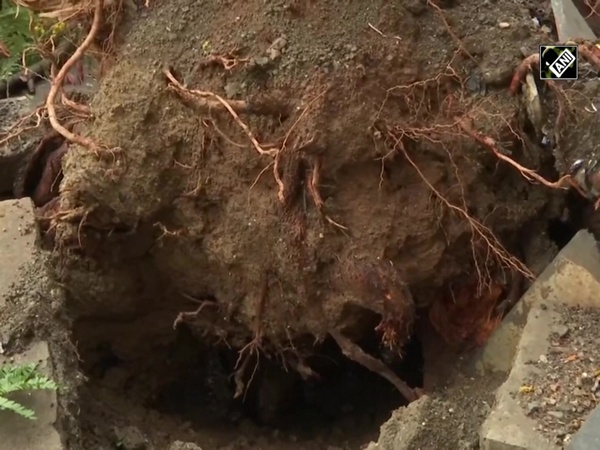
[277, 178]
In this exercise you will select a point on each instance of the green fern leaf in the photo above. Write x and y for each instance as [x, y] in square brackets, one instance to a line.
[9, 405]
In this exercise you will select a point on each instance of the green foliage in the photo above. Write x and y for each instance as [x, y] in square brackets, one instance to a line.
[17, 378]
[15, 35]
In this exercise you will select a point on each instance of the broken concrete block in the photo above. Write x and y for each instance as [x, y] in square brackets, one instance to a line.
[18, 238]
[570, 24]
[572, 279]
[403, 427]
[18, 433]
[588, 436]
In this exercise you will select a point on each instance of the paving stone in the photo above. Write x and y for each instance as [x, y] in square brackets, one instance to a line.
[18, 433]
[570, 24]
[573, 278]
[588, 436]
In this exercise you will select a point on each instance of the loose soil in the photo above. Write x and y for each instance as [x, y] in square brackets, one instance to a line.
[362, 222]
[566, 384]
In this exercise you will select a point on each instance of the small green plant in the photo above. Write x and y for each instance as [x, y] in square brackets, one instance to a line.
[21, 377]
[20, 31]
[16, 37]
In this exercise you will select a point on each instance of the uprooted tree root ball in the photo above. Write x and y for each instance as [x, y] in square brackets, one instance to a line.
[268, 207]
[273, 252]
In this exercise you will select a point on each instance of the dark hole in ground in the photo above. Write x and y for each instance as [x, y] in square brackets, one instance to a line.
[562, 229]
[193, 383]
[346, 393]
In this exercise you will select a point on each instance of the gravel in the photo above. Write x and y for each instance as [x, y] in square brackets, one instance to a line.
[566, 387]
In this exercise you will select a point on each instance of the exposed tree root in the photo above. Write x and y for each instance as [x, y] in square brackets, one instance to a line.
[206, 101]
[383, 290]
[528, 174]
[586, 50]
[25, 123]
[43, 172]
[466, 316]
[214, 98]
[184, 317]
[227, 61]
[59, 79]
[353, 352]
[254, 347]
[452, 34]
[478, 229]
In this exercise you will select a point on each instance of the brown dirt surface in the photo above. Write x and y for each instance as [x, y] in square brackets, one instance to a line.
[376, 202]
[342, 82]
[566, 384]
[462, 395]
[456, 413]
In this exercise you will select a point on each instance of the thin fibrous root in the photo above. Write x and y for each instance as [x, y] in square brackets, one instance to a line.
[477, 228]
[184, 317]
[528, 174]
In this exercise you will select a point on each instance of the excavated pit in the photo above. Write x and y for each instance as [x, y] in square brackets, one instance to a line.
[182, 247]
[190, 383]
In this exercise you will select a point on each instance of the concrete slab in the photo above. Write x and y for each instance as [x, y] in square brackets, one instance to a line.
[573, 279]
[570, 24]
[403, 427]
[18, 238]
[18, 433]
[588, 436]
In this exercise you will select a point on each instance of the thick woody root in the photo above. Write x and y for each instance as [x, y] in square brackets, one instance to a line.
[62, 75]
[353, 352]
[380, 287]
[59, 79]
[206, 101]
[588, 51]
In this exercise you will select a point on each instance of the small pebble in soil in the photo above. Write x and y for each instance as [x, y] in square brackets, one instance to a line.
[532, 407]
[561, 331]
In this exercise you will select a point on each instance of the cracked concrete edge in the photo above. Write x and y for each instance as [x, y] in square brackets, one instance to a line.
[403, 427]
[499, 352]
[571, 279]
[31, 331]
[570, 24]
[17, 432]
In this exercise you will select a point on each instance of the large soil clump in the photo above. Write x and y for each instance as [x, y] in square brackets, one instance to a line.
[333, 187]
